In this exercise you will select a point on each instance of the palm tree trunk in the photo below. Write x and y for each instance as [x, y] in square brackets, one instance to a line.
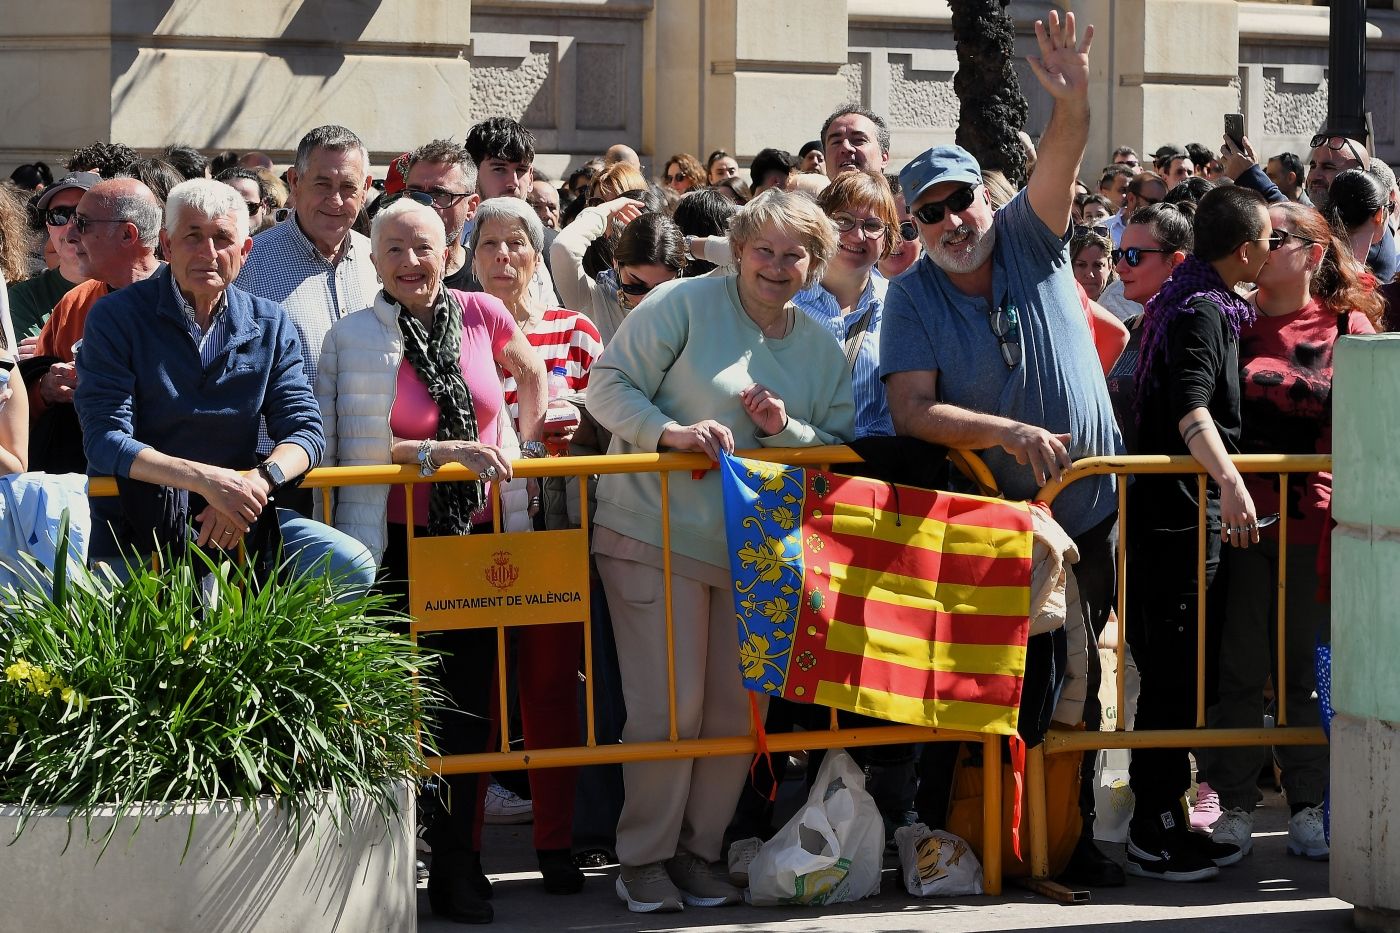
[992, 105]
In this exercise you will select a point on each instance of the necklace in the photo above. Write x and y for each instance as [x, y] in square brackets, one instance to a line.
[781, 327]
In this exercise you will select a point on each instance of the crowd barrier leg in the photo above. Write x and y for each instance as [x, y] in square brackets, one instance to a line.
[991, 815]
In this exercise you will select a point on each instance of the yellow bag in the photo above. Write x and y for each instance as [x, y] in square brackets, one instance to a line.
[1061, 802]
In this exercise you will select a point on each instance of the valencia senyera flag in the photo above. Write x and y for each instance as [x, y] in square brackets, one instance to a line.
[905, 604]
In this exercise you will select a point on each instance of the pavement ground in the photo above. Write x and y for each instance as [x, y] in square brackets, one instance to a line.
[1268, 891]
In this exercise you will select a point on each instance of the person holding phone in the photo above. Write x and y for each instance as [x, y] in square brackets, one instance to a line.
[1310, 294]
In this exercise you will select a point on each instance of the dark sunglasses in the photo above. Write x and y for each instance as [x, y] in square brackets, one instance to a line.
[873, 227]
[1132, 255]
[635, 289]
[253, 207]
[81, 222]
[908, 231]
[1336, 144]
[1006, 327]
[960, 200]
[421, 197]
[674, 179]
[1096, 230]
[59, 216]
[438, 196]
[1281, 238]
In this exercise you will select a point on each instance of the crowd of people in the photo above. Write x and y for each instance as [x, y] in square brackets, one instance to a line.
[211, 330]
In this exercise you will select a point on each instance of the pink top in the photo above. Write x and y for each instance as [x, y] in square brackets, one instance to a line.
[486, 328]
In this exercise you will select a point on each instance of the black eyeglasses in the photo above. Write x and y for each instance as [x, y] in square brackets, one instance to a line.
[59, 216]
[1006, 327]
[960, 200]
[872, 227]
[1336, 144]
[439, 197]
[1281, 237]
[1132, 255]
[1096, 230]
[83, 221]
[908, 231]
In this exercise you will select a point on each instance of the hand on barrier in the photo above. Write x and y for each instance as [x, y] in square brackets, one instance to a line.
[765, 407]
[1045, 453]
[707, 437]
[486, 460]
[238, 496]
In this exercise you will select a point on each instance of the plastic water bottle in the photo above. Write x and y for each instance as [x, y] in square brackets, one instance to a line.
[556, 414]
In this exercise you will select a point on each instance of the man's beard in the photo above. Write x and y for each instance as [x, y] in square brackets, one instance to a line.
[1320, 198]
[967, 256]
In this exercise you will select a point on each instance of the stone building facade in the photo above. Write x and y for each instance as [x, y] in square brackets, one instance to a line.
[662, 75]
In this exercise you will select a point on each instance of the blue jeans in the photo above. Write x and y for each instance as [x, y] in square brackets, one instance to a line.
[308, 543]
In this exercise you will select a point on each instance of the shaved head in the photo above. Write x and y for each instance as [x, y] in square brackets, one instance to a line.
[621, 153]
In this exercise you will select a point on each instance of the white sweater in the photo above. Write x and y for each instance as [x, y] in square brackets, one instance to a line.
[356, 383]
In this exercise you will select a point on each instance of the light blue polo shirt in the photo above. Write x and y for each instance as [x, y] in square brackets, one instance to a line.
[1059, 385]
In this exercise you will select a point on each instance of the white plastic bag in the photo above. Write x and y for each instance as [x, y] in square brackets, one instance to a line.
[935, 863]
[831, 851]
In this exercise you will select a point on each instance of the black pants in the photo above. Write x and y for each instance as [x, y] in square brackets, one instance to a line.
[468, 675]
[1162, 631]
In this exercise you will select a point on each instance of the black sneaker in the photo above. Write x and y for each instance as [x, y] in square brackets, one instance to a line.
[1089, 867]
[1157, 849]
[1222, 854]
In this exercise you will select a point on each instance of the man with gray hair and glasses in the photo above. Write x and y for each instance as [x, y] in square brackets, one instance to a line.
[313, 264]
[176, 375]
[113, 232]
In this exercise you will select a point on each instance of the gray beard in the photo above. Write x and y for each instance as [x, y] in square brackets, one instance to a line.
[961, 263]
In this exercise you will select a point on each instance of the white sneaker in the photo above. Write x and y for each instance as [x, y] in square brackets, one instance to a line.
[1306, 836]
[1235, 827]
[505, 808]
[742, 852]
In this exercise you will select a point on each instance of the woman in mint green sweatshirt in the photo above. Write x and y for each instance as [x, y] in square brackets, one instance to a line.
[705, 365]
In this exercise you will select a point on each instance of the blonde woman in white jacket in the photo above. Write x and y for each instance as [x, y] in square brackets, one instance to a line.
[412, 379]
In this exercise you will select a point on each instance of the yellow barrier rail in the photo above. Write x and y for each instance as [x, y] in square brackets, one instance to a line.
[1060, 741]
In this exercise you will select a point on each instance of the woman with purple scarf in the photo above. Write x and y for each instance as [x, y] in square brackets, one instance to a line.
[1188, 402]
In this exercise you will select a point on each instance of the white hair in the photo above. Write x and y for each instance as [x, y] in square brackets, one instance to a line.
[400, 208]
[210, 199]
[513, 209]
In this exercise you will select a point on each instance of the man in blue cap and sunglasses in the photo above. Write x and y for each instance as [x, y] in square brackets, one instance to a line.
[986, 346]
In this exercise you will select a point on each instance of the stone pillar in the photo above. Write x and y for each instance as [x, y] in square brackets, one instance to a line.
[1160, 73]
[1365, 837]
[740, 75]
[252, 75]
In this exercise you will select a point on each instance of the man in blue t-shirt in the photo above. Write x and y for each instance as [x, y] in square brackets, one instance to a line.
[986, 345]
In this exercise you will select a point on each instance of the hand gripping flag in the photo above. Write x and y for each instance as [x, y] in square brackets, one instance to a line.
[905, 604]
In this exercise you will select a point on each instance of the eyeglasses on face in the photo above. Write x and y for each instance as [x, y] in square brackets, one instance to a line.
[1132, 255]
[1006, 327]
[908, 231]
[872, 227]
[419, 197]
[253, 207]
[958, 201]
[438, 197]
[59, 216]
[1281, 237]
[82, 222]
[635, 289]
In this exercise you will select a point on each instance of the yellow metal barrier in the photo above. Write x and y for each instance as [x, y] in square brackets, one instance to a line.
[591, 753]
[1059, 741]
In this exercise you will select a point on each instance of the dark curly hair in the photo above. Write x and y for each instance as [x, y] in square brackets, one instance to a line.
[106, 159]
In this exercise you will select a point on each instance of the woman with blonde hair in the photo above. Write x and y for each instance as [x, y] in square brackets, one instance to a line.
[714, 364]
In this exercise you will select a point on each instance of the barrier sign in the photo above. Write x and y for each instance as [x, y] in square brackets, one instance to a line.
[476, 581]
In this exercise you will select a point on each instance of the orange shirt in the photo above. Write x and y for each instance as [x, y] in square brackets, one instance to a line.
[63, 329]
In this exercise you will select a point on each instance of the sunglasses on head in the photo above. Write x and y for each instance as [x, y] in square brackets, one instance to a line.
[1095, 230]
[1336, 144]
[1132, 255]
[933, 211]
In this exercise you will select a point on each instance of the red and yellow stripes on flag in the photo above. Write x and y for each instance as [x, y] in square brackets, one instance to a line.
[913, 604]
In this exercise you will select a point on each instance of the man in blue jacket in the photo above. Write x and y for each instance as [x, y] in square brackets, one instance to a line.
[173, 376]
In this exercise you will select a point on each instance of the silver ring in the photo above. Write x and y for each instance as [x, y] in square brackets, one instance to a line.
[488, 473]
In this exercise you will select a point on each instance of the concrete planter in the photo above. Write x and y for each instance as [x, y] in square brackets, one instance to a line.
[241, 872]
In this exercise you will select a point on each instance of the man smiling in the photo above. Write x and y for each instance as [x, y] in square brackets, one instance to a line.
[855, 139]
[314, 265]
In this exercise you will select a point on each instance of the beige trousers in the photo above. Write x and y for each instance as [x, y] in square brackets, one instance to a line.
[680, 803]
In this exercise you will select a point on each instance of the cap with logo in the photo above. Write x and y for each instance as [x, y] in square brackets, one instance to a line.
[80, 181]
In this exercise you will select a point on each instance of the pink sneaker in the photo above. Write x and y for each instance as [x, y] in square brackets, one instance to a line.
[1206, 811]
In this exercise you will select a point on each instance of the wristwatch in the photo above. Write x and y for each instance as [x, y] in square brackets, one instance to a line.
[533, 450]
[271, 472]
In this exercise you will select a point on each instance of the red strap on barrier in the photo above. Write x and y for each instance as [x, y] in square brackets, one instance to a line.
[761, 735]
[1018, 778]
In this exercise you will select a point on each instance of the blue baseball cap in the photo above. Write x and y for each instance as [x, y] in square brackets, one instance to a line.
[935, 166]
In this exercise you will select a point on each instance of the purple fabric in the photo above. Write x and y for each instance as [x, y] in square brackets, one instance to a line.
[1194, 278]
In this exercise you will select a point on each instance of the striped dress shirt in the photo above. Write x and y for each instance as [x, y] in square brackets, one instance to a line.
[872, 408]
